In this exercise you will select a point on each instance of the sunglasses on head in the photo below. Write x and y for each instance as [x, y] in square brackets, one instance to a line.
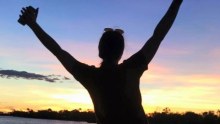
[117, 30]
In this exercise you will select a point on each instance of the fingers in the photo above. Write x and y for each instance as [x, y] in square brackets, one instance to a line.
[36, 11]
[29, 10]
[23, 11]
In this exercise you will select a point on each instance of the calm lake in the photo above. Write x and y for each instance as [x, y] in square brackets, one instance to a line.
[18, 120]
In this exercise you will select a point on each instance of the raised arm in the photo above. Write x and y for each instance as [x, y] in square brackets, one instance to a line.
[29, 15]
[152, 45]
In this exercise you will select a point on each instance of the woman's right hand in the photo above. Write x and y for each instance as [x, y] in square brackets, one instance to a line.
[28, 15]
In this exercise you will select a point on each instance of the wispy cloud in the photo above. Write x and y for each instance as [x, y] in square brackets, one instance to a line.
[31, 76]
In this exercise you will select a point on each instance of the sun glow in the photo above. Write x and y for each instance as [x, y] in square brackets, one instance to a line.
[78, 98]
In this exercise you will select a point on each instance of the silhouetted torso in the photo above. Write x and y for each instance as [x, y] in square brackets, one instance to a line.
[114, 90]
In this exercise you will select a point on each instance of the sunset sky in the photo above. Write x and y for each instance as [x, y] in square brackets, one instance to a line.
[184, 75]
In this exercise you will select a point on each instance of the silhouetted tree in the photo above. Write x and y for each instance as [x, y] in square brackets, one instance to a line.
[166, 110]
[192, 118]
[210, 117]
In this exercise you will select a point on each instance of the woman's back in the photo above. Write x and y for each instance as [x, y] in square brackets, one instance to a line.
[115, 92]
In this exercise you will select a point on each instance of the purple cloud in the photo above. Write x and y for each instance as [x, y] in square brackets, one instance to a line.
[31, 76]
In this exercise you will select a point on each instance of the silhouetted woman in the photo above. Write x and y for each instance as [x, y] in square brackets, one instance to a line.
[114, 88]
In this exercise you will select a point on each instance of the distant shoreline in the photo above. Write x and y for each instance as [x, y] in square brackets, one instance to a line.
[209, 117]
[34, 118]
[65, 115]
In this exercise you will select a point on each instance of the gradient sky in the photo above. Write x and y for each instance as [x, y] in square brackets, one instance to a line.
[184, 75]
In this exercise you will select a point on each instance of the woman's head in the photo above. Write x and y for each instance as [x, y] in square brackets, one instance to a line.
[111, 45]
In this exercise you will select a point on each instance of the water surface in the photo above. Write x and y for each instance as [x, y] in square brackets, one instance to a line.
[20, 120]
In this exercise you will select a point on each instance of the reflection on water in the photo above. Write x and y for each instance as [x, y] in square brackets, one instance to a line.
[18, 120]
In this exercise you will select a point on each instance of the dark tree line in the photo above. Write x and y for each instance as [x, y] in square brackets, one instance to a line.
[74, 115]
[165, 117]
[185, 118]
